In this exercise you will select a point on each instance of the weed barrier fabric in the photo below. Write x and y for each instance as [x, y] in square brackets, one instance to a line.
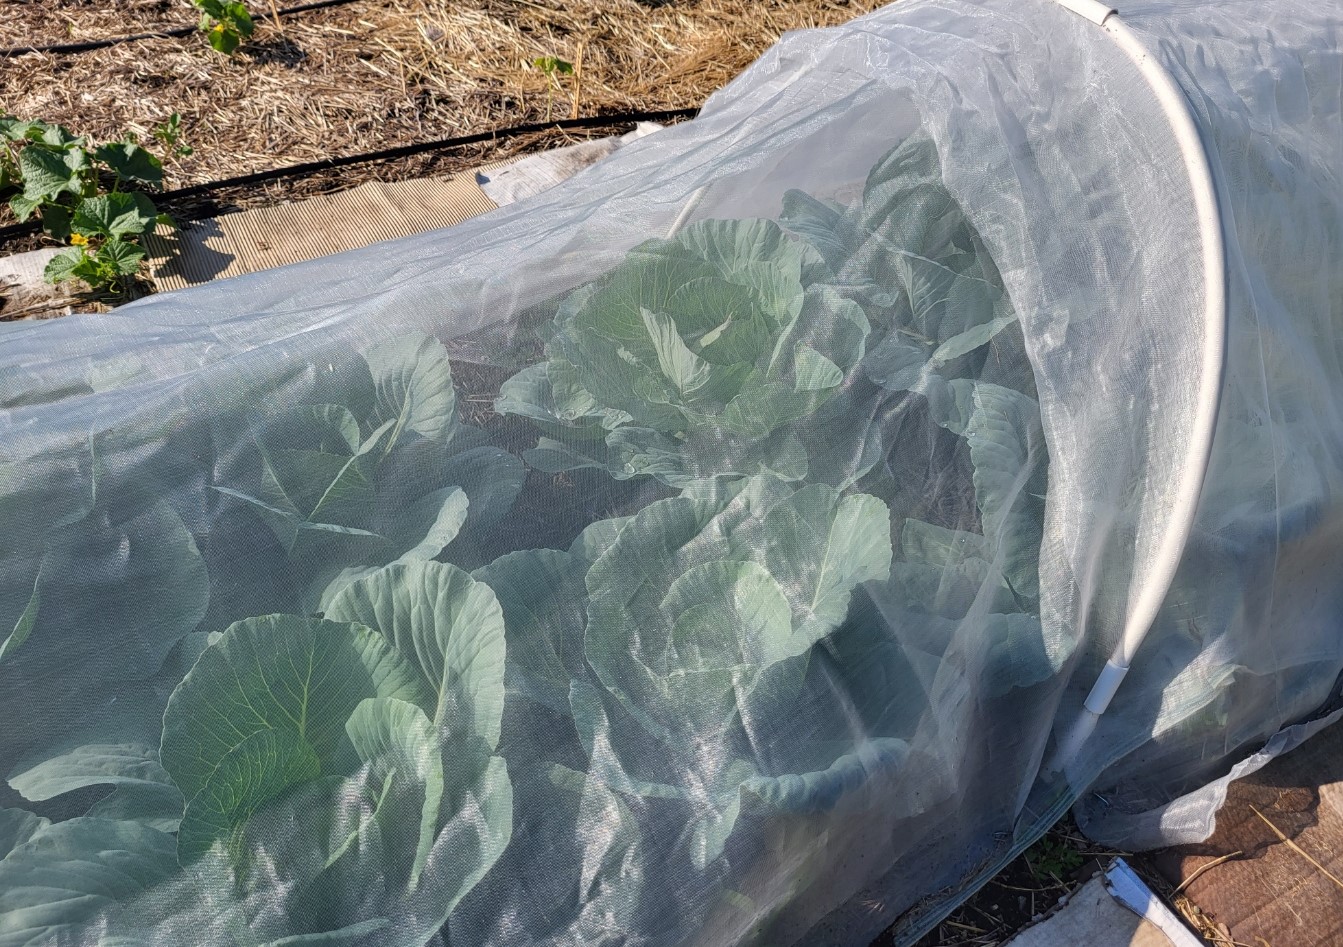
[714, 549]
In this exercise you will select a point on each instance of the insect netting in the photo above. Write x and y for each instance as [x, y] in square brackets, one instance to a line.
[720, 547]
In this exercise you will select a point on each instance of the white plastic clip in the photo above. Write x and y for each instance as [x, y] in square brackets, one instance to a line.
[1103, 691]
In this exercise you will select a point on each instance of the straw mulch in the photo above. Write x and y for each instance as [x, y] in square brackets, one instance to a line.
[372, 75]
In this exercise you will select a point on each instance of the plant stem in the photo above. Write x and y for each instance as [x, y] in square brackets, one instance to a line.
[1297, 848]
[578, 78]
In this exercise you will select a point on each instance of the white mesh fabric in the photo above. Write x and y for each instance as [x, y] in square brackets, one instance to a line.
[712, 549]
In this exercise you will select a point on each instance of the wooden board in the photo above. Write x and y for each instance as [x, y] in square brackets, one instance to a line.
[1113, 909]
[1270, 894]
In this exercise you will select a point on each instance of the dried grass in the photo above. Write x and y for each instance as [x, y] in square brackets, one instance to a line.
[372, 75]
[48, 22]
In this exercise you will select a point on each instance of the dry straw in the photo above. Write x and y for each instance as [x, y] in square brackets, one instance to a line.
[381, 73]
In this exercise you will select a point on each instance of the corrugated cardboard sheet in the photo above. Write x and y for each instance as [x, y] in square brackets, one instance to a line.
[252, 240]
[1271, 894]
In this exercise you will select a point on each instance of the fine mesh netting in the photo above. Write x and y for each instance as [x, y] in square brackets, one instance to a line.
[718, 548]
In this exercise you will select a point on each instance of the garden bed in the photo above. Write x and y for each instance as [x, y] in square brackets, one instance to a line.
[366, 76]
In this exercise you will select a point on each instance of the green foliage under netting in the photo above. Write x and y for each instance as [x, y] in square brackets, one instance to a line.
[335, 672]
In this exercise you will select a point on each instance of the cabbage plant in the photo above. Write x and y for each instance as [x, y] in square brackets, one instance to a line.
[309, 701]
[650, 667]
[279, 775]
[327, 778]
[702, 614]
[384, 472]
[908, 253]
[951, 343]
[692, 358]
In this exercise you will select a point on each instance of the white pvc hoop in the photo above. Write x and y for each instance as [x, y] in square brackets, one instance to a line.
[1146, 602]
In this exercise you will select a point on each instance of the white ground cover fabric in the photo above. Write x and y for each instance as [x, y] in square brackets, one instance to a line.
[714, 549]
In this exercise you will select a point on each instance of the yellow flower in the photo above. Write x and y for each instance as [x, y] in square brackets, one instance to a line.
[218, 28]
[79, 240]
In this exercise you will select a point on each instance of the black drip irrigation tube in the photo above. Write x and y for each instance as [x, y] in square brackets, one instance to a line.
[169, 33]
[167, 198]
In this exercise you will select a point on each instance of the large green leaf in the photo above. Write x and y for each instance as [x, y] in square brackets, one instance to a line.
[123, 256]
[347, 488]
[597, 537]
[411, 532]
[689, 356]
[24, 207]
[130, 162]
[940, 547]
[400, 743]
[413, 381]
[812, 371]
[449, 626]
[531, 394]
[142, 582]
[430, 523]
[1018, 653]
[492, 479]
[316, 474]
[330, 861]
[753, 253]
[357, 933]
[91, 765]
[115, 598]
[806, 793]
[328, 483]
[541, 593]
[46, 173]
[112, 741]
[696, 597]
[827, 226]
[157, 806]
[971, 339]
[406, 837]
[942, 571]
[119, 214]
[820, 545]
[58, 136]
[898, 363]
[818, 791]
[16, 827]
[684, 370]
[595, 884]
[1008, 451]
[260, 767]
[478, 824]
[64, 881]
[316, 428]
[916, 261]
[56, 221]
[742, 596]
[63, 265]
[297, 678]
[15, 129]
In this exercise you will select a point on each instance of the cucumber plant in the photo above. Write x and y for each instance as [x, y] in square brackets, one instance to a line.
[91, 196]
[225, 23]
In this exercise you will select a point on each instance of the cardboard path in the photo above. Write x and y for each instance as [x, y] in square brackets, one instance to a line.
[265, 237]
